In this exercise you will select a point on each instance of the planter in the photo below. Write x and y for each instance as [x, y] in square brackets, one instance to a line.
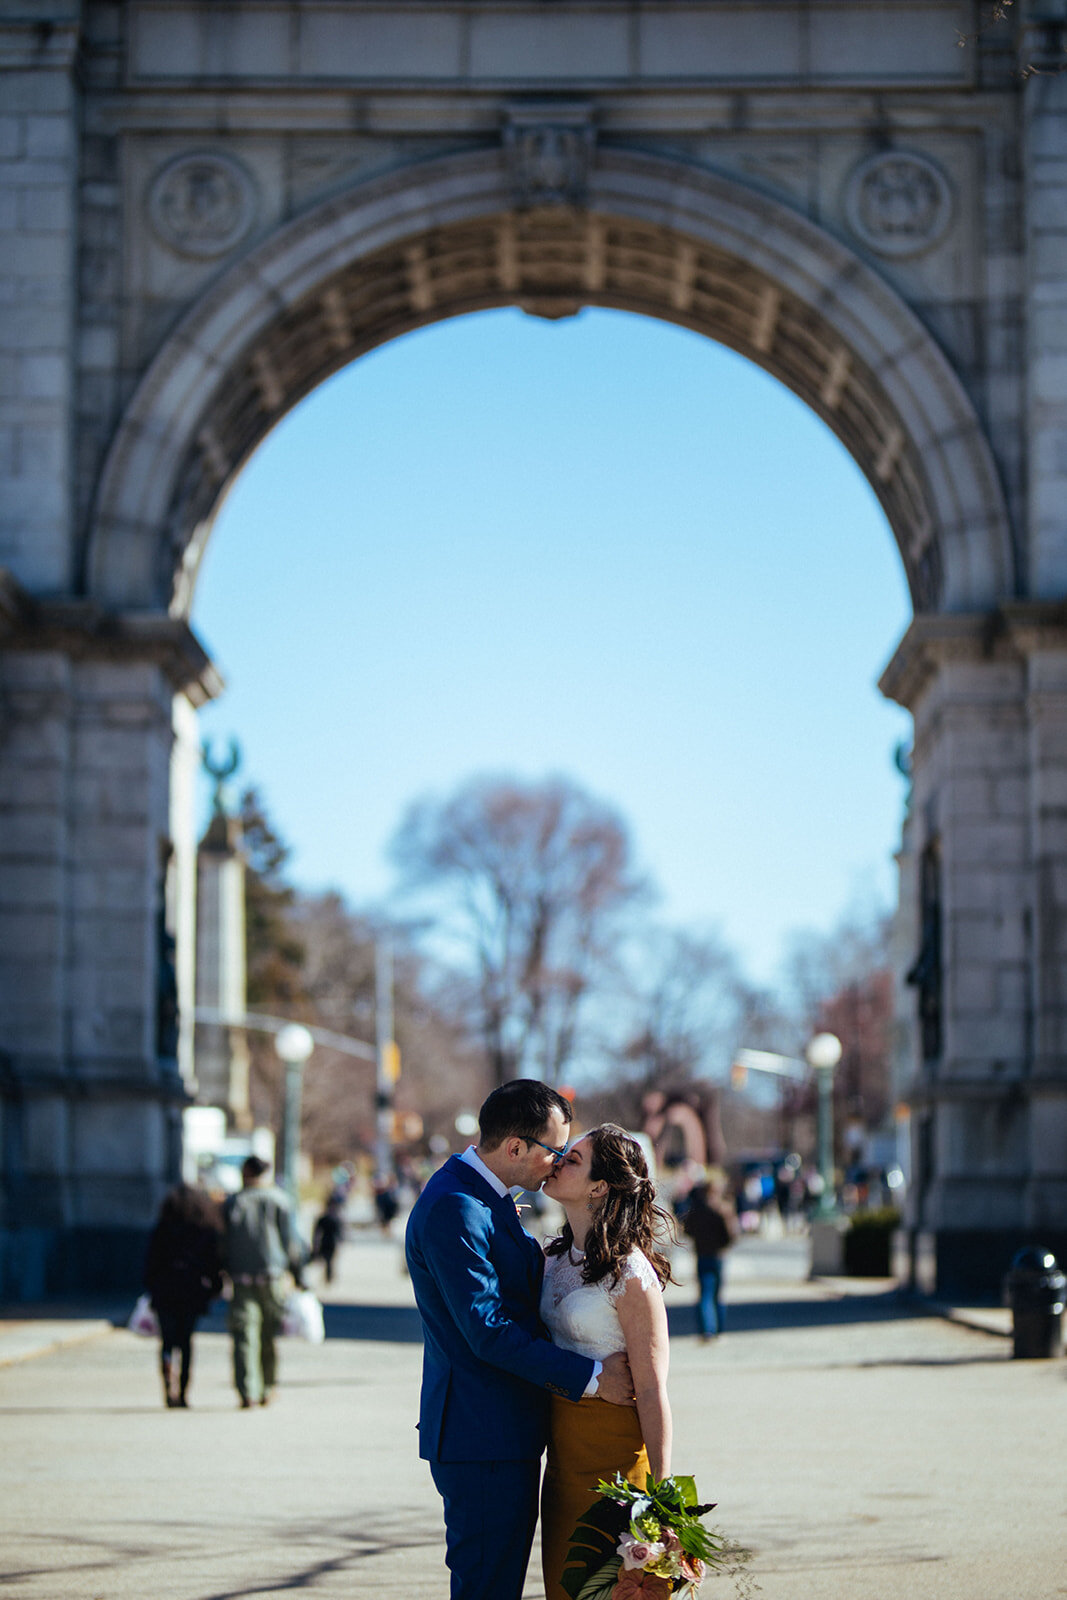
[869, 1244]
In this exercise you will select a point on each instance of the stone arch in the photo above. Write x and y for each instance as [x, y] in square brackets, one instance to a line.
[444, 237]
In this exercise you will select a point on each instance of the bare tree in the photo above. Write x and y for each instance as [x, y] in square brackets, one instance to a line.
[687, 1009]
[818, 965]
[441, 1073]
[529, 881]
[312, 957]
[685, 995]
[842, 983]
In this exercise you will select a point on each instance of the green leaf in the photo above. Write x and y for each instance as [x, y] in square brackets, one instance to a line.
[600, 1585]
[697, 1541]
[603, 1520]
[593, 1543]
[688, 1490]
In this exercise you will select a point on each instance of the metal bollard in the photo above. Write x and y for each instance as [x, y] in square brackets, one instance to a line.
[1035, 1289]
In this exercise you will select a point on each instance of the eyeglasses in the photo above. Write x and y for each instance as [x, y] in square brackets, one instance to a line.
[560, 1155]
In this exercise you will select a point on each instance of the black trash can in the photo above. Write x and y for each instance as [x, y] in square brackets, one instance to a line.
[1035, 1289]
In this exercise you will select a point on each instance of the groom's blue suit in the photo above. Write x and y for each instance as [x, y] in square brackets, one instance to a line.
[488, 1368]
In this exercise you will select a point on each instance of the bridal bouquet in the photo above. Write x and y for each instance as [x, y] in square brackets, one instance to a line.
[648, 1544]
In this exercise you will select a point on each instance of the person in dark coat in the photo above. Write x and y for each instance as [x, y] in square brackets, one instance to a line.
[711, 1222]
[329, 1231]
[183, 1274]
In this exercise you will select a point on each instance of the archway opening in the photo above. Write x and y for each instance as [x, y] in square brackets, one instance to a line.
[600, 545]
[552, 264]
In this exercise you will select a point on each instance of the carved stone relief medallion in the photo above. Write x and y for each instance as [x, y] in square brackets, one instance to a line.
[202, 204]
[898, 203]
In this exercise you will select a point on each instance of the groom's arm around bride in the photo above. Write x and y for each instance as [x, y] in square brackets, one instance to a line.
[488, 1366]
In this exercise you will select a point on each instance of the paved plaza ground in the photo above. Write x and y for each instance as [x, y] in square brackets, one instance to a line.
[861, 1448]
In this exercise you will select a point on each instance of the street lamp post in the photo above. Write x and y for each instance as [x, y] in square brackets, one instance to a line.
[823, 1054]
[294, 1045]
[388, 1060]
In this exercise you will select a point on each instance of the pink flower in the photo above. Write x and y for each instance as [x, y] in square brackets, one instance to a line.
[637, 1552]
[693, 1569]
[671, 1541]
[637, 1585]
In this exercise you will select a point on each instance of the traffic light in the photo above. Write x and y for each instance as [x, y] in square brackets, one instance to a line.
[391, 1061]
[738, 1075]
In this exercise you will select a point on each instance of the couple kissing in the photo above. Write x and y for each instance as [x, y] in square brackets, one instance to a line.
[565, 1346]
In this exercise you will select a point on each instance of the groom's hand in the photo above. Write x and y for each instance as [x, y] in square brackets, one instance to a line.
[616, 1381]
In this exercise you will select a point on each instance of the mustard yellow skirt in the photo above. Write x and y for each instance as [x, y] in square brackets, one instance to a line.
[587, 1441]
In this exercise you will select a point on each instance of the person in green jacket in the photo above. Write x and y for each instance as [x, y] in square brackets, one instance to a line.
[261, 1246]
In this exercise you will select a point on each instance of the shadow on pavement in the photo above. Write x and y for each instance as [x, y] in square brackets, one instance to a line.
[400, 1324]
[92, 1411]
[311, 1576]
[767, 1316]
[935, 1361]
[345, 1320]
[113, 1308]
[383, 1324]
[339, 1551]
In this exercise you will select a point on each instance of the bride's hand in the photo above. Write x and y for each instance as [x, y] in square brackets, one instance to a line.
[616, 1384]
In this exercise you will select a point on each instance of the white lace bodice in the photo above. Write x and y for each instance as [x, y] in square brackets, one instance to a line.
[582, 1316]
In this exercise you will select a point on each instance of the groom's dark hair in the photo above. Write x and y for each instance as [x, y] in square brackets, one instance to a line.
[519, 1110]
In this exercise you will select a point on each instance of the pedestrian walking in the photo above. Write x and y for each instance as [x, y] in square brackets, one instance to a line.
[328, 1233]
[711, 1222]
[261, 1246]
[182, 1275]
[386, 1201]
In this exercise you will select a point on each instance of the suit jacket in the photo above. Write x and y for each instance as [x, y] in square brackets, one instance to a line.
[488, 1364]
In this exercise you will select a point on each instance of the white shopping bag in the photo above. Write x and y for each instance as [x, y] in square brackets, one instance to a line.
[302, 1318]
[143, 1319]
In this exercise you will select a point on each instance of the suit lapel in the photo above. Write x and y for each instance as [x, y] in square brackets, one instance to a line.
[531, 1249]
[503, 1207]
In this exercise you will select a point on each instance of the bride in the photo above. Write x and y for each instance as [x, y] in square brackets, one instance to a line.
[603, 1292]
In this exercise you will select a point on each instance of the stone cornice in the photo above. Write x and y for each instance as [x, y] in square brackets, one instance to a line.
[32, 1077]
[83, 630]
[1011, 632]
[1032, 625]
[45, 44]
[623, 112]
[923, 1093]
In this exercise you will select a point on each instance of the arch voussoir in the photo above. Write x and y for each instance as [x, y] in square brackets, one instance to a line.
[660, 238]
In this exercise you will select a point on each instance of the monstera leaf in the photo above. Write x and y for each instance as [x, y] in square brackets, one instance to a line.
[594, 1545]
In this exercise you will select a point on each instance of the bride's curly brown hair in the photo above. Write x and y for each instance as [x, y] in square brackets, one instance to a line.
[627, 1218]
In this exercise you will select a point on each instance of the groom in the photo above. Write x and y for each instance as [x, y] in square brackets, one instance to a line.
[488, 1365]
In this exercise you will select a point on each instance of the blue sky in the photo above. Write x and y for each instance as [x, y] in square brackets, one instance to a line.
[605, 547]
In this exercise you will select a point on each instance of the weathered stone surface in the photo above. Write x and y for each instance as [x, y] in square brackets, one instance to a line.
[115, 1140]
[44, 1135]
[206, 207]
